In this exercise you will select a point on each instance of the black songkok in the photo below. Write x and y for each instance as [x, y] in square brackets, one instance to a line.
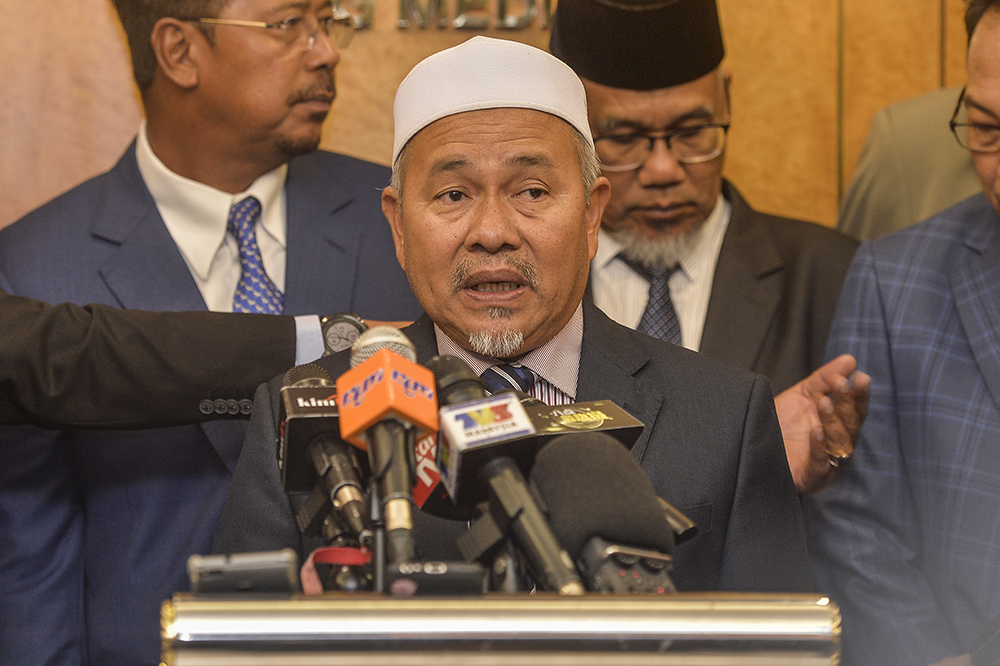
[638, 44]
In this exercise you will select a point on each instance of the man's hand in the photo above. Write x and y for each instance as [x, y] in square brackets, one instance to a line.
[820, 418]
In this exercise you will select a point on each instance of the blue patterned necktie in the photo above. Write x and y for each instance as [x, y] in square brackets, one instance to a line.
[255, 292]
[505, 376]
[660, 319]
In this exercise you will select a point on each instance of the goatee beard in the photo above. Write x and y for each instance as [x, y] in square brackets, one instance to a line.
[498, 343]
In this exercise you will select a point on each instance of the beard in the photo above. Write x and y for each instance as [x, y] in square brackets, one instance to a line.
[501, 342]
[662, 253]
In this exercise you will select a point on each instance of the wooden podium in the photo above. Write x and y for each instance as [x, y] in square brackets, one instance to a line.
[496, 629]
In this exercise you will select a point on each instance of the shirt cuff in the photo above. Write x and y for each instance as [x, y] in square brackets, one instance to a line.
[308, 339]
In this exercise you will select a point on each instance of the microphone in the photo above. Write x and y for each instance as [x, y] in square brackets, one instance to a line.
[513, 508]
[605, 511]
[386, 399]
[505, 424]
[310, 434]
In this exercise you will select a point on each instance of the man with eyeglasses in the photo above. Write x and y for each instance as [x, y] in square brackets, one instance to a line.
[907, 541]
[682, 256]
[222, 203]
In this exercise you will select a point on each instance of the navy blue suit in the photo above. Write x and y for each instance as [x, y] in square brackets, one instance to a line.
[907, 541]
[96, 527]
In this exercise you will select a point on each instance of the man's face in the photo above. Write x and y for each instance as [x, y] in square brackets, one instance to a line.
[982, 96]
[494, 231]
[267, 97]
[663, 199]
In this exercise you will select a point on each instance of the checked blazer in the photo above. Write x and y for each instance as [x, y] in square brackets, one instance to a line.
[907, 541]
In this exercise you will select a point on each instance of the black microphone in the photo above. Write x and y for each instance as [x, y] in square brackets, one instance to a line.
[604, 510]
[513, 509]
[312, 450]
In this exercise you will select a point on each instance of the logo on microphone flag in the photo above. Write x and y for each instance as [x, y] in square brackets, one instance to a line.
[475, 424]
[386, 385]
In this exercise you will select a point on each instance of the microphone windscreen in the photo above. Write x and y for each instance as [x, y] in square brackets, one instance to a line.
[594, 487]
[306, 375]
[455, 380]
[378, 338]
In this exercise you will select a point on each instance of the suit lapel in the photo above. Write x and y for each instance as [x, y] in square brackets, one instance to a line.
[609, 362]
[323, 244]
[975, 283]
[144, 269]
[746, 289]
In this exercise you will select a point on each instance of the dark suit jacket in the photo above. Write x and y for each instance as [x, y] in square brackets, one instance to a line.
[711, 447]
[775, 290]
[906, 541]
[96, 366]
[103, 523]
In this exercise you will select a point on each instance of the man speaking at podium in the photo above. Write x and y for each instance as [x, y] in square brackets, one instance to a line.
[495, 205]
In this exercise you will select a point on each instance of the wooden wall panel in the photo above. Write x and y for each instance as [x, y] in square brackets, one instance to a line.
[783, 148]
[891, 51]
[808, 75]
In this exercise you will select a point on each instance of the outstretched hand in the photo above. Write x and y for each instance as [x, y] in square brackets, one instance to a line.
[820, 419]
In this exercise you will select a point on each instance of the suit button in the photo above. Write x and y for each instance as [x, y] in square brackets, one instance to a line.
[206, 407]
[245, 407]
[221, 406]
[234, 407]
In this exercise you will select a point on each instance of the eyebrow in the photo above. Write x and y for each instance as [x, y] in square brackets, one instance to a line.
[979, 107]
[612, 123]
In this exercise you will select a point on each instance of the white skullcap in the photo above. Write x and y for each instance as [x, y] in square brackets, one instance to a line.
[487, 73]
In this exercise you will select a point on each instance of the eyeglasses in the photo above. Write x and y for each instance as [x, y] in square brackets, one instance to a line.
[688, 145]
[975, 137]
[338, 28]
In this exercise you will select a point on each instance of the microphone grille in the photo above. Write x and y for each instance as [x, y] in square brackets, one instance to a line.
[308, 374]
[381, 337]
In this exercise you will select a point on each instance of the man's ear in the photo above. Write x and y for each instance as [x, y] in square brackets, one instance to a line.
[600, 194]
[176, 47]
[391, 209]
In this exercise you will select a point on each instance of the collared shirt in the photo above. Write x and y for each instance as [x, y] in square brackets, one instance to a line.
[622, 293]
[557, 362]
[196, 216]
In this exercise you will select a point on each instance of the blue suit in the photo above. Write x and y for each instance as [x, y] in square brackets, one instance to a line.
[96, 527]
[907, 541]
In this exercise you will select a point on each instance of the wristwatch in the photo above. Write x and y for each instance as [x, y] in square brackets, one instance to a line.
[340, 331]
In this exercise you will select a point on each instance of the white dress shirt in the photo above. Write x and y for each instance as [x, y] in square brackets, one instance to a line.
[622, 293]
[197, 215]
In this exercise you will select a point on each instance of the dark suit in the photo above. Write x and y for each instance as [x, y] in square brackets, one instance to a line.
[102, 523]
[906, 541]
[712, 448]
[96, 366]
[775, 290]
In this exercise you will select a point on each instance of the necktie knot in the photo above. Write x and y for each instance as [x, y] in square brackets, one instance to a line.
[503, 376]
[255, 291]
[659, 319]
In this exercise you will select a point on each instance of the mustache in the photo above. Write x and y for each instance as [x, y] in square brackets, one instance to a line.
[323, 88]
[465, 267]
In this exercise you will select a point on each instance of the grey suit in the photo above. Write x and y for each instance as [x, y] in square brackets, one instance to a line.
[711, 447]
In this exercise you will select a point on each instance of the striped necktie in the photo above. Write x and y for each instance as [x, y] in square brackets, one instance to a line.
[504, 376]
[255, 291]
